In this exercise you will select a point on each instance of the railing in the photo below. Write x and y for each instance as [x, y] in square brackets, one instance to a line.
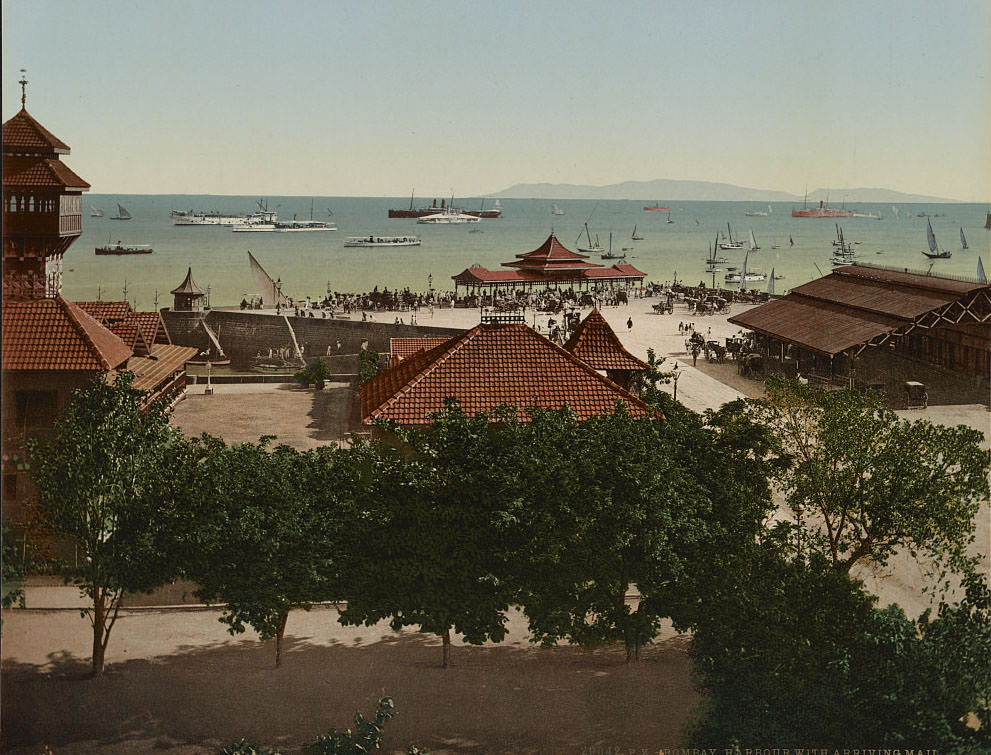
[927, 273]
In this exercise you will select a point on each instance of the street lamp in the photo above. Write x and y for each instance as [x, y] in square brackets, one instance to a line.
[674, 376]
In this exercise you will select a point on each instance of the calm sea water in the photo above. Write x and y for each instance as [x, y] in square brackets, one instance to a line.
[310, 264]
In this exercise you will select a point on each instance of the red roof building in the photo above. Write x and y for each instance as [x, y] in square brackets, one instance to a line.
[549, 264]
[489, 366]
[597, 344]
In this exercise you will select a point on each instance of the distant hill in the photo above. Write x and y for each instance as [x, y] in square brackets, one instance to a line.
[663, 189]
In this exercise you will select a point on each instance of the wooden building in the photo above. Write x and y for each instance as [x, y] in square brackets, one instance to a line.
[866, 310]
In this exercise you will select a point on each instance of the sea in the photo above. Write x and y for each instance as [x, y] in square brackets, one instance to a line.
[675, 244]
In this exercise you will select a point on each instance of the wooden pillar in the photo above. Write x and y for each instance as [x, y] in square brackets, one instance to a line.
[853, 369]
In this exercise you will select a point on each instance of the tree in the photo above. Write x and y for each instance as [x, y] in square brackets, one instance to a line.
[794, 651]
[104, 482]
[16, 563]
[431, 529]
[258, 538]
[615, 512]
[863, 484]
[315, 374]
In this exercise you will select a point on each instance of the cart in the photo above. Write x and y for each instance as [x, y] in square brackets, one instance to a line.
[915, 395]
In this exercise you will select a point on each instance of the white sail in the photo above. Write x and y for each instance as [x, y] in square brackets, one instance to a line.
[981, 277]
[770, 282]
[743, 271]
[963, 239]
[122, 214]
[753, 242]
[930, 236]
[95, 212]
[267, 288]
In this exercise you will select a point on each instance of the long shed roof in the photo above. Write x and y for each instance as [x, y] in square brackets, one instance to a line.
[855, 305]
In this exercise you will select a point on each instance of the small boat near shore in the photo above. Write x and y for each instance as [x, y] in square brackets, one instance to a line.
[373, 240]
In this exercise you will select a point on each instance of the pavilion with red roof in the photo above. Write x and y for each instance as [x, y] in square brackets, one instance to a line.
[550, 264]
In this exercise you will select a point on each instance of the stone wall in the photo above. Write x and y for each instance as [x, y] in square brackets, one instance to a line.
[243, 335]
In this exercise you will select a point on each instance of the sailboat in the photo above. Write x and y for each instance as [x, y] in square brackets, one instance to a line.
[934, 253]
[981, 277]
[590, 248]
[555, 210]
[753, 242]
[635, 237]
[122, 214]
[669, 217]
[95, 212]
[730, 244]
[269, 291]
[770, 283]
[963, 239]
[609, 255]
[987, 222]
[743, 277]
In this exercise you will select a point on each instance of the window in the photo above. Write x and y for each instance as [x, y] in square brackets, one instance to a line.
[36, 408]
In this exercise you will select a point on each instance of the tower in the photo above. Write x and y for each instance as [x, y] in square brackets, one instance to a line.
[42, 207]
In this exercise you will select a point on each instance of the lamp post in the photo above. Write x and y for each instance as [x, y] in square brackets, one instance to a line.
[674, 376]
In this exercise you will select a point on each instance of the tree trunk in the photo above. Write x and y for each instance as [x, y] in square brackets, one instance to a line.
[99, 618]
[447, 648]
[278, 639]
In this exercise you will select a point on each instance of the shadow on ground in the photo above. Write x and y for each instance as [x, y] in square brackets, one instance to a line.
[495, 699]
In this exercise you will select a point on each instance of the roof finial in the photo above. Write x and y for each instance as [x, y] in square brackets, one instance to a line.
[23, 82]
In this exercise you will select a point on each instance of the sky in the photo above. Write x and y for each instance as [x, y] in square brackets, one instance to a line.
[384, 98]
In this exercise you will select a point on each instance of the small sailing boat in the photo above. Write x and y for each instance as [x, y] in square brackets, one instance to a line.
[770, 283]
[753, 242]
[987, 222]
[609, 255]
[730, 244]
[963, 239]
[122, 214]
[981, 277]
[791, 241]
[95, 212]
[591, 248]
[635, 237]
[934, 253]
[555, 210]
[669, 217]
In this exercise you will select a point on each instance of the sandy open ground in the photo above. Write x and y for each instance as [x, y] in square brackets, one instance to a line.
[177, 682]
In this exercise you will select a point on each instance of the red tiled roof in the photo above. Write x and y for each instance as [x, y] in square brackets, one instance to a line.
[403, 348]
[55, 334]
[23, 132]
[105, 311]
[37, 171]
[152, 326]
[481, 275]
[488, 366]
[596, 344]
[551, 256]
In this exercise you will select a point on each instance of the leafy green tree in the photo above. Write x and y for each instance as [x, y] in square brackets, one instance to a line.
[316, 374]
[104, 482]
[431, 529]
[864, 484]
[368, 365]
[793, 651]
[259, 538]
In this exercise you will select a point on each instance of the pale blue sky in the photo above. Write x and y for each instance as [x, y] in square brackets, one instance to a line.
[380, 98]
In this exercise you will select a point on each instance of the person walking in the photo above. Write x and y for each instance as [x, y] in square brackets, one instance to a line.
[629, 324]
